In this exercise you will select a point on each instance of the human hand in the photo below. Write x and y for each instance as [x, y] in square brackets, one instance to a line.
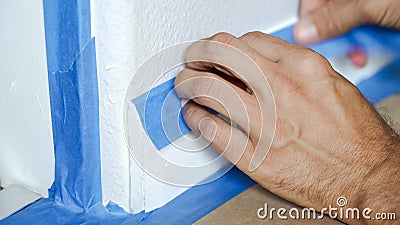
[324, 19]
[328, 142]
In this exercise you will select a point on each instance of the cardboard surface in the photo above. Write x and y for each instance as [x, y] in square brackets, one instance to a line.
[243, 210]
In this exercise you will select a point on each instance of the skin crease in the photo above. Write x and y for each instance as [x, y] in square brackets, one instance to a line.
[329, 141]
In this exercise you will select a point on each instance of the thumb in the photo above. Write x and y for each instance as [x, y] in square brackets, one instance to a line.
[332, 19]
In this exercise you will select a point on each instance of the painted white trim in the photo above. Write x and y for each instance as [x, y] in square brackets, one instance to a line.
[26, 140]
[14, 198]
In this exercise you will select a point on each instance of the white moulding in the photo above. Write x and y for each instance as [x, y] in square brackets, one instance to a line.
[26, 140]
[14, 198]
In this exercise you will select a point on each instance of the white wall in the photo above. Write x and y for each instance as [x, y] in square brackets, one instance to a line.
[26, 142]
[130, 31]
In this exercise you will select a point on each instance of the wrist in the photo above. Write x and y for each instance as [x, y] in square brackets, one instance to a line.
[380, 190]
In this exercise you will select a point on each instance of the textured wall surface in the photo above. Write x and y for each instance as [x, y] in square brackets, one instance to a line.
[130, 31]
[26, 142]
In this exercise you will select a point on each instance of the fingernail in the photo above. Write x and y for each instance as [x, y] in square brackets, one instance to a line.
[305, 32]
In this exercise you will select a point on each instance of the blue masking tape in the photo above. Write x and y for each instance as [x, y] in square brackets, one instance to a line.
[74, 103]
[75, 197]
[160, 114]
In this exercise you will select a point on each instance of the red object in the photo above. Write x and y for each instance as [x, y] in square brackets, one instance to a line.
[358, 57]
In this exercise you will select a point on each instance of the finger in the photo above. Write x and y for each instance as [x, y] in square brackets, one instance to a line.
[230, 55]
[332, 19]
[249, 66]
[309, 6]
[223, 137]
[267, 45]
[212, 91]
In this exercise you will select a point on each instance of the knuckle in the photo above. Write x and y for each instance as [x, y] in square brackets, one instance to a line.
[190, 116]
[180, 78]
[204, 86]
[222, 37]
[208, 128]
[189, 111]
[205, 100]
[219, 42]
[183, 83]
[367, 11]
[311, 62]
[335, 24]
[362, 12]
[252, 36]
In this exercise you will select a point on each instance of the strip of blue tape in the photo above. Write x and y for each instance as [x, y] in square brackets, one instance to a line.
[160, 114]
[75, 197]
